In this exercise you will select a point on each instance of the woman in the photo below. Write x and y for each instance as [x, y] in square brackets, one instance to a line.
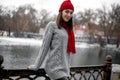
[58, 43]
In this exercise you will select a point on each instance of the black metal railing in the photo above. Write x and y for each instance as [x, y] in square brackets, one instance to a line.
[98, 72]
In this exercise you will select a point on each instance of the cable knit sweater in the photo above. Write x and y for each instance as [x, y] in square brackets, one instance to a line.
[55, 46]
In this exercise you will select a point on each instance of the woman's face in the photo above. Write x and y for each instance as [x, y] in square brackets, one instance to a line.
[67, 14]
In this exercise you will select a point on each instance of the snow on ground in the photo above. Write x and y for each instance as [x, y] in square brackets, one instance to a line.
[19, 41]
[115, 68]
[86, 45]
[31, 41]
[111, 46]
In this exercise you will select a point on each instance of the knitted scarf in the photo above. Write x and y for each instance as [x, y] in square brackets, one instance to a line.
[71, 39]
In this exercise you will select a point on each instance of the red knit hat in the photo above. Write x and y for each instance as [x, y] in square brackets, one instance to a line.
[66, 5]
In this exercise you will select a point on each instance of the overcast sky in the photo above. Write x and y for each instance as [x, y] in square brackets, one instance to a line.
[53, 5]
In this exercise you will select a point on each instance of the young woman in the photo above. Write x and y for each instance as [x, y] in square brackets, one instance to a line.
[58, 44]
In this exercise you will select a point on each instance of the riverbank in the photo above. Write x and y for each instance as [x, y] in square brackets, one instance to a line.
[19, 41]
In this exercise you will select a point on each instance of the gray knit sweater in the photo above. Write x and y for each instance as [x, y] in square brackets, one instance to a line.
[55, 47]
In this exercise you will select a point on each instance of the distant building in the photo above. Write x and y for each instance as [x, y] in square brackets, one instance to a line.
[78, 30]
[86, 31]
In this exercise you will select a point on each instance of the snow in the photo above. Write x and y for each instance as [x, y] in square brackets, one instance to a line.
[32, 41]
[115, 68]
[86, 45]
[111, 46]
[19, 41]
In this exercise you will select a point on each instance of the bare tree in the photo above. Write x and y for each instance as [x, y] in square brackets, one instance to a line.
[109, 21]
[1, 19]
[105, 22]
[87, 19]
[24, 19]
[44, 18]
[115, 18]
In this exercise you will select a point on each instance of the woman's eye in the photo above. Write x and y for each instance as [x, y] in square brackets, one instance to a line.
[71, 12]
[67, 11]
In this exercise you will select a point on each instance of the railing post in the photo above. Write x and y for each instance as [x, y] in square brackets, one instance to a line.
[108, 68]
[1, 68]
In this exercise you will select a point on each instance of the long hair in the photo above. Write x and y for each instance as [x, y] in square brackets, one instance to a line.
[60, 20]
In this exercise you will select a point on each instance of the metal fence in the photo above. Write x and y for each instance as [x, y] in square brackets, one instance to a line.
[93, 72]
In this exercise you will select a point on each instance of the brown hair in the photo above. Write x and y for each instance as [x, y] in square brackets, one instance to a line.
[60, 20]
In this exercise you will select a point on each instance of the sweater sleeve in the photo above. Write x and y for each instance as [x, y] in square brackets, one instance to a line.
[45, 46]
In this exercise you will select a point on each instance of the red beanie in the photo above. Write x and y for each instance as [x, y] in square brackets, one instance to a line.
[66, 5]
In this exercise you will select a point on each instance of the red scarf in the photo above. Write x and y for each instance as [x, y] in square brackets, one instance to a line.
[71, 39]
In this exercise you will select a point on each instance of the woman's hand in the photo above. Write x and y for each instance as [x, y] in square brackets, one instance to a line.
[32, 67]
